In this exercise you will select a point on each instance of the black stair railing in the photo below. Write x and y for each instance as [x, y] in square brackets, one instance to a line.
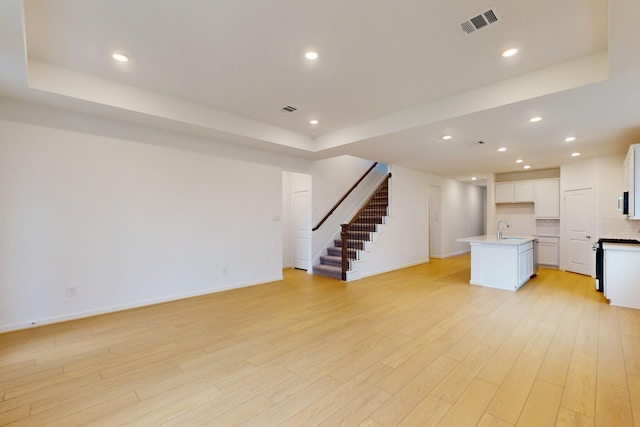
[353, 187]
[363, 224]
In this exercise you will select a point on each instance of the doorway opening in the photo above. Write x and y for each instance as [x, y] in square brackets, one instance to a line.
[578, 220]
[435, 222]
[296, 220]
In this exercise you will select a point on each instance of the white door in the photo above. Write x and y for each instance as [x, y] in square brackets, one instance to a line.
[301, 229]
[435, 223]
[578, 218]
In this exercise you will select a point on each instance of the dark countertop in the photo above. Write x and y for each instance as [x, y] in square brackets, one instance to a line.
[622, 241]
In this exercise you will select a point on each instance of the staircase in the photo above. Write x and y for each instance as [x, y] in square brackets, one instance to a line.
[360, 231]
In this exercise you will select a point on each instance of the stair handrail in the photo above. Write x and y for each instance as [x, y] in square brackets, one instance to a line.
[344, 232]
[364, 206]
[353, 187]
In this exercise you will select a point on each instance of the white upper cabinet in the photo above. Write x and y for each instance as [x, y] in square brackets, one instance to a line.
[547, 198]
[514, 192]
[632, 180]
[504, 192]
[523, 192]
[543, 193]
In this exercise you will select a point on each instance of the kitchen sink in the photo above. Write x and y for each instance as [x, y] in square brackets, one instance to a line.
[512, 238]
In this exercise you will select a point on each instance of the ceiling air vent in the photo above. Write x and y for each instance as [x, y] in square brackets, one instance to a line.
[288, 109]
[490, 16]
[480, 21]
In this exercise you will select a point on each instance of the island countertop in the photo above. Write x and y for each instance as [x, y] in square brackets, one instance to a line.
[505, 263]
[493, 240]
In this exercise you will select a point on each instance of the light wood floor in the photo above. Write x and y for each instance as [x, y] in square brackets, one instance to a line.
[415, 347]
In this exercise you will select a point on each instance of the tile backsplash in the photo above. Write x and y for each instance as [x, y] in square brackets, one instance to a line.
[523, 223]
[547, 227]
[522, 219]
[619, 227]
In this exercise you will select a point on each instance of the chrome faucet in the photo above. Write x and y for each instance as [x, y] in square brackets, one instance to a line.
[499, 231]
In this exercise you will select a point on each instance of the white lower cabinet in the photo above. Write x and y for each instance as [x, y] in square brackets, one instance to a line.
[525, 265]
[621, 273]
[549, 251]
[501, 265]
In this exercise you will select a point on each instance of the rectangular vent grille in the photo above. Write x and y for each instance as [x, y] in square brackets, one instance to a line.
[288, 109]
[468, 27]
[490, 16]
[480, 21]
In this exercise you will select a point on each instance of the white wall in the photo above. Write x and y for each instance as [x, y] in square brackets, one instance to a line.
[404, 241]
[126, 223]
[331, 179]
[463, 214]
[520, 216]
[287, 225]
[610, 222]
[130, 215]
[605, 176]
[578, 175]
[491, 216]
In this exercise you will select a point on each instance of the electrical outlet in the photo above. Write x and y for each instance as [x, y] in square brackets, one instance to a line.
[72, 292]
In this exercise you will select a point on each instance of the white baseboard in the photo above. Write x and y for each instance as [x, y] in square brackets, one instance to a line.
[400, 267]
[466, 251]
[122, 307]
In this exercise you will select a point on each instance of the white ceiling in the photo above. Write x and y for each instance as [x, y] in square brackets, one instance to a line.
[392, 77]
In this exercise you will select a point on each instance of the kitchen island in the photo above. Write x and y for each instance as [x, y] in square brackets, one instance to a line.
[505, 263]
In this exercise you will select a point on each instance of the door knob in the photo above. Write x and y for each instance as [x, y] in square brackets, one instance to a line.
[588, 237]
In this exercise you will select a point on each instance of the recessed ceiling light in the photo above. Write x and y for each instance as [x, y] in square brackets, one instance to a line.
[120, 57]
[570, 139]
[535, 119]
[473, 178]
[519, 161]
[313, 122]
[311, 55]
[446, 137]
[575, 154]
[502, 149]
[526, 167]
[509, 52]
